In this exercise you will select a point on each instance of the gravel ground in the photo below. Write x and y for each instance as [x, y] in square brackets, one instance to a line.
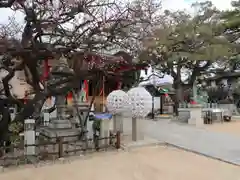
[158, 162]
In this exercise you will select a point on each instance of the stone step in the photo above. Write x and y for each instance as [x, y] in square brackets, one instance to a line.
[68, 134]
[60, 124]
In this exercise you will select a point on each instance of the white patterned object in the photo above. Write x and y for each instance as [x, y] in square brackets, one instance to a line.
[139, 102]
[116, 101]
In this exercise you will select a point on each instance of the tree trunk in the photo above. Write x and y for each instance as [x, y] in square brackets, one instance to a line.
[179, 93]
[4, 129]
[177, 84]
[178, 98]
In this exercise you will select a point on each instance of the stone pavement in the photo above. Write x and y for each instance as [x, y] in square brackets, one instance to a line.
[222, 146]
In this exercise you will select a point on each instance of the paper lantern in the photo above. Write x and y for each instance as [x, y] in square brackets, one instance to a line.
[116, 101]
[139, 102]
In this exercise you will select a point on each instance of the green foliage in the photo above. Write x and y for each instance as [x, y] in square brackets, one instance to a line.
[232, 17]
[191, 38]
[185, 42]
[231, 25]
[14, 129]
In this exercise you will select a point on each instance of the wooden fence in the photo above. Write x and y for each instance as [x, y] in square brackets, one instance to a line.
[48, 149]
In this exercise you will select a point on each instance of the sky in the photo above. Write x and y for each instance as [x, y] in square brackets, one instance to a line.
[186, 4]
[167, 4]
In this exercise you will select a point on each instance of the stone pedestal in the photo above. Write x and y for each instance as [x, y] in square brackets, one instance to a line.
[137, 133]
[117, 123]
[195, 115]
[29, 137]
[183, 114]
[105, 131]
[61, 126]
[60, 129]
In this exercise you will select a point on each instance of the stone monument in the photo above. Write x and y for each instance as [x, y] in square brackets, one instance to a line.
[61, 125]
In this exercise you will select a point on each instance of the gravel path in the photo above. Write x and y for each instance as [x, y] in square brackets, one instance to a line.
[147, 163]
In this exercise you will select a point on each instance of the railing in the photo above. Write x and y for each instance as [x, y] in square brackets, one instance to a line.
[48, 149]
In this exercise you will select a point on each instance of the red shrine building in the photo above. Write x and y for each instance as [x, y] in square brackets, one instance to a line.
[115, 67]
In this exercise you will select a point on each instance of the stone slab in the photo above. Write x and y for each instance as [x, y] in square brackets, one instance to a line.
[60, 124]
[54, 133]
[147, 141]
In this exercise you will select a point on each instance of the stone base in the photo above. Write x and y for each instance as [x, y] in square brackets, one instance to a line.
[199, 122]
[196, 116]
[117, 123]
[146, 142]
[67, 134]
[183, 115]
[60, 124]
[137, 129]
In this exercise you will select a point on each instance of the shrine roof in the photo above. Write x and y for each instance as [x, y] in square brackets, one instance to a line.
[120, 62]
